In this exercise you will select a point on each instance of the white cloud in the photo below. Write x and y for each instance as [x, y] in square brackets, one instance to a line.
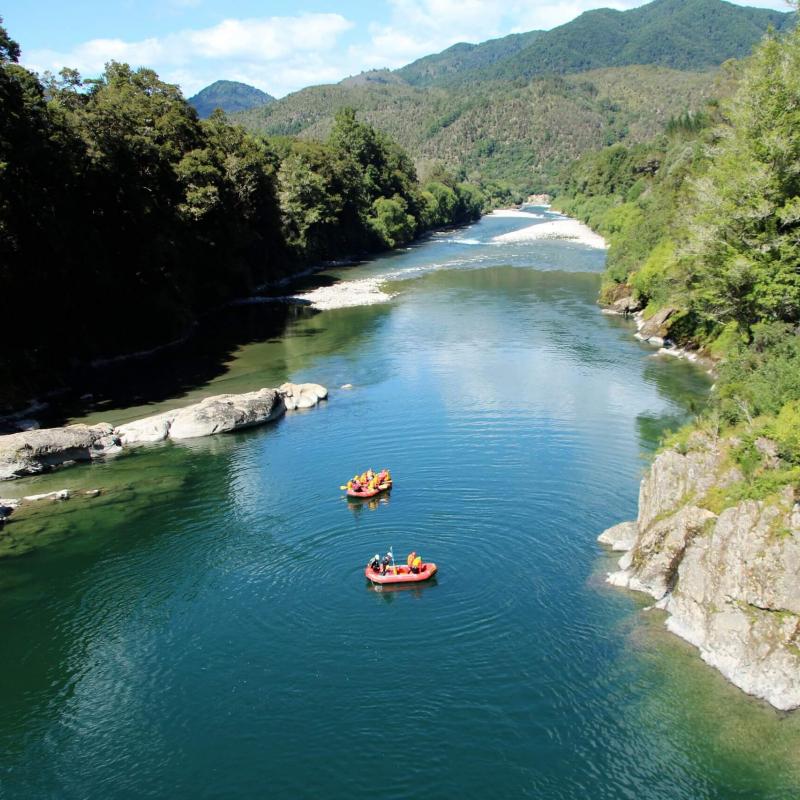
[272, 53]
[283, 54]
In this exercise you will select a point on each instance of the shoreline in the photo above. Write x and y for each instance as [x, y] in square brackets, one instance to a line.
[39, 451]
[17, 418]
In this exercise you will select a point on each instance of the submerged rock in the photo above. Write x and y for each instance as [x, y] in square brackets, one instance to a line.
[35, 451]
[729, 583]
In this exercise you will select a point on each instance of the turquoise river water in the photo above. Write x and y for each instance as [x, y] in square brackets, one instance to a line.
[203, 629]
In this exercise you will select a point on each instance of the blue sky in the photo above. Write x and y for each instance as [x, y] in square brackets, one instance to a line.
[278, 46]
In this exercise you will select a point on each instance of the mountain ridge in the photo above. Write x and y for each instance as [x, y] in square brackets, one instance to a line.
[517, 109]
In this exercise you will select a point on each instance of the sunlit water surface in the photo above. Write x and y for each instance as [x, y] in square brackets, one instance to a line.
[204, 629]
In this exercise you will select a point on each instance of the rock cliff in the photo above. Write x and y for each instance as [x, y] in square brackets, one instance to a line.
[729, 581]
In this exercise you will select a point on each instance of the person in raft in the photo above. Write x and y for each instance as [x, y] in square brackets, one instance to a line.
[369, 481]
[375, 563]
[414, 562]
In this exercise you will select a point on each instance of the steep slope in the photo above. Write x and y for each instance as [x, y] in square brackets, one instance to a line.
[230, 96]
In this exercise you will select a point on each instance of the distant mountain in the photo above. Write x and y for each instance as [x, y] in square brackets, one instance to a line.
[230, 96]
[681, 34]
[519, 108]
[463, 58]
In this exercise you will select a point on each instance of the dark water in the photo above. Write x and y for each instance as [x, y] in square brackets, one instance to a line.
[204, 629]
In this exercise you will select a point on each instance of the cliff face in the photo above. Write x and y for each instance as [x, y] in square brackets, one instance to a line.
[730, 582]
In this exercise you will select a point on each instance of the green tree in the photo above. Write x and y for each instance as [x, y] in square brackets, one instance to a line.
[742, 256]
[391, 221]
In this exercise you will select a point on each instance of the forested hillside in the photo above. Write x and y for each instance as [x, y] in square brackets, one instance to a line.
[123, 216]
[502, 134]
[704, 224]
[682, 34]
[230, 97]
[514, 111]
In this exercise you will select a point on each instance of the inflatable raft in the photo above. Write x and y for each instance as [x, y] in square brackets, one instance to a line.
[384, 487]
[400, 574]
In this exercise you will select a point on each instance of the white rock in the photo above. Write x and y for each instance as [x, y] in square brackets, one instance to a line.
[35, 451]
[61, 494]
[149, 429]
[620, 537]
[225, 413]
[302, 395]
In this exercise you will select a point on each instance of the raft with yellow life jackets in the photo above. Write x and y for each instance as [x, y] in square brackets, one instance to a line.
[369, 484]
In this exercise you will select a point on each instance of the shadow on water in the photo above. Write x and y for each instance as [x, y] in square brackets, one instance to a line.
[241, 348]
[176, 369]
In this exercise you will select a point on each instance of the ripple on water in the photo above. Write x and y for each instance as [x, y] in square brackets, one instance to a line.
[221, 638]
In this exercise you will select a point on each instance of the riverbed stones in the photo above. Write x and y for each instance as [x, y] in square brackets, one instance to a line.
[35, 451]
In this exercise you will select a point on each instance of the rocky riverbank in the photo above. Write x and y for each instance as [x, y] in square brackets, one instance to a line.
[36, 451]
[728, 575]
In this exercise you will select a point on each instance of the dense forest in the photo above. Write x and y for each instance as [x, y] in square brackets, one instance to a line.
[704, 224]
[123, 216]
[511, 139]
[511, 113]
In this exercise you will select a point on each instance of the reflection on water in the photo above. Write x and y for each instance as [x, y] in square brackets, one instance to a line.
[388, 590]
[203, 625]
[359, 504]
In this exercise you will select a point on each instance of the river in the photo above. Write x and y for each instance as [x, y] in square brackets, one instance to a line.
[203, 629]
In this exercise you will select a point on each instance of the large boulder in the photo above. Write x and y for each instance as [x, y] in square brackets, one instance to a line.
[226, 412]
[656, 325]
[35, 451]
[149, 429]
[302, 395]
[620, 537]
[217, 414]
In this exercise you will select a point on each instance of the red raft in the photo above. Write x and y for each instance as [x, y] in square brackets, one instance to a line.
[384, 487]
[400, 574]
